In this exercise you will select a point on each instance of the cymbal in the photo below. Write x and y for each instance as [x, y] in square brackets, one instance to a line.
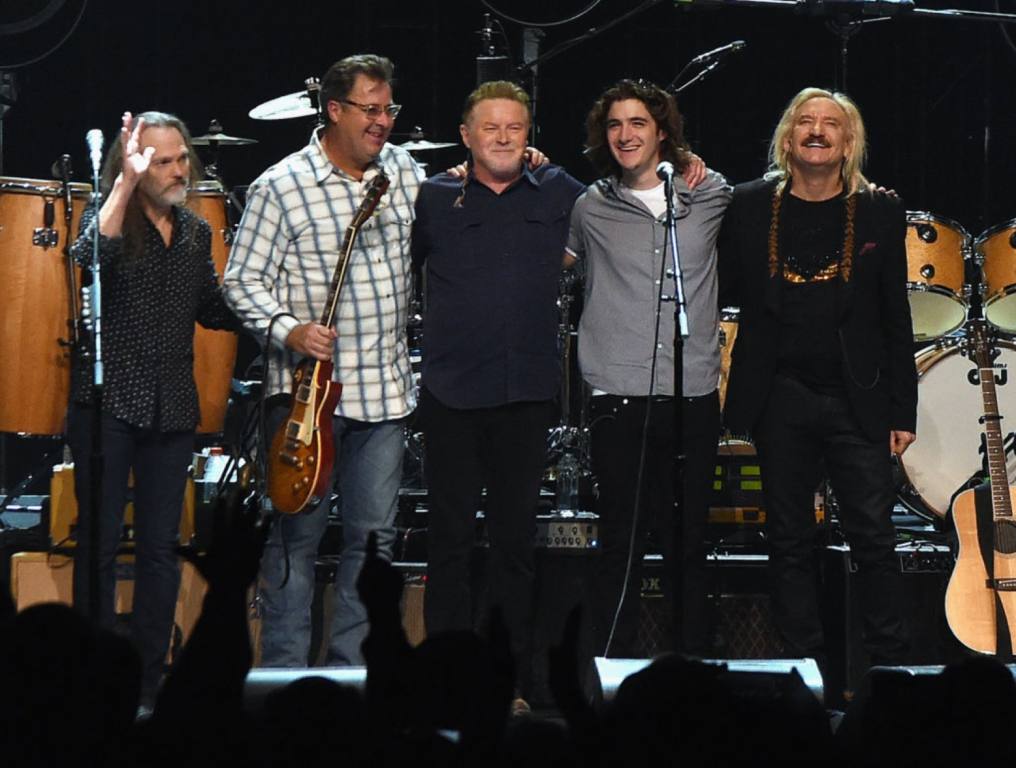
[220, 139]
[285, 107]
[422, 145]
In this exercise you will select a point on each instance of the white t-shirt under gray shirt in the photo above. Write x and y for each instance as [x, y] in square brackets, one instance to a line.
[619, 234]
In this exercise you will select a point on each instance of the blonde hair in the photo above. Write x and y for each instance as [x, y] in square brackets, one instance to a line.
[779, 161]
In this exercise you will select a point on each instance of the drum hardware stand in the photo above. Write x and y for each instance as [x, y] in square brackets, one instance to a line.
[8, 97]
[415, 451]
[62, 168]
[212, 172]
[313, 86]
[571, 443]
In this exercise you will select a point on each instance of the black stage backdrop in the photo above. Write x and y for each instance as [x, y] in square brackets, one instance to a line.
[937, 95]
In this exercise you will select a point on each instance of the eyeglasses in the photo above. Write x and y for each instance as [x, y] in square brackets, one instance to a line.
[373, 111]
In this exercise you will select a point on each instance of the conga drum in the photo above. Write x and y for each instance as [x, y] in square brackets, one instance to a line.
[37, 308]
[214, 351]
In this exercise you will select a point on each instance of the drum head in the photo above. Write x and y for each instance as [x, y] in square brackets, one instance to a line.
[1000, 310]
[949, 451]
[935, 313]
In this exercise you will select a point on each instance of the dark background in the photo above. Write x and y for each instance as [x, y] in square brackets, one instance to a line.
[937, 95]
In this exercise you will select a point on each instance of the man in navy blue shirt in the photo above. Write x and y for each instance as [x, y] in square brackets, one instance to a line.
[492, 243]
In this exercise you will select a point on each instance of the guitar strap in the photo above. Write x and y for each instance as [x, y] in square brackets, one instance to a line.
[986, 541]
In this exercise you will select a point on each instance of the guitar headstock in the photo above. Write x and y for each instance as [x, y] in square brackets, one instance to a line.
[376, 189]
[980, 342]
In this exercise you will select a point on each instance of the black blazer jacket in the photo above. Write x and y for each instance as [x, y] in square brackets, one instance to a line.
[875, 330]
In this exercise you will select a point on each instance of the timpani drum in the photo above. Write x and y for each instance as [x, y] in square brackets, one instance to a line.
[37, 304]
[214, 351]
[936, 257]
[997, 248]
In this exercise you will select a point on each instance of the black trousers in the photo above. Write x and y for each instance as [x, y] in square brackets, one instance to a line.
[800, 430]
[159, 461]
[617, 424]
[503, 449]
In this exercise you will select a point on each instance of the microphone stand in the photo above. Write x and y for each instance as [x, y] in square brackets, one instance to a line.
[680, 334]
[97, 458]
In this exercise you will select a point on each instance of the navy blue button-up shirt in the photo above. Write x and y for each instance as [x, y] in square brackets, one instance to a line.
[492, 266]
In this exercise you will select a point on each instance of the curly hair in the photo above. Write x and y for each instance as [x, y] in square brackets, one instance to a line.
[661, 106]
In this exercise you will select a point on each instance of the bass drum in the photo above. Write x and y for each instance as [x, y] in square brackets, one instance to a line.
[214, 351]
[949, 448]
[36, 310]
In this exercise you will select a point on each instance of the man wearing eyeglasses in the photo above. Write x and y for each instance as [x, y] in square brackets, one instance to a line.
[277, 282]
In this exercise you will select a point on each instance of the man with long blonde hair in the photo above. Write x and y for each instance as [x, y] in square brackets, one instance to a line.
[823, 370]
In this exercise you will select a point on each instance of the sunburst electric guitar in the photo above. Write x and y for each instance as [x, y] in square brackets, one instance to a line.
[980, 601]
[303, 450]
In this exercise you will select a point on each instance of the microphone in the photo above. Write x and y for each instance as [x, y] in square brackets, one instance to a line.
[94, 141]
[717, 53]
[665, 172]
[62, 170]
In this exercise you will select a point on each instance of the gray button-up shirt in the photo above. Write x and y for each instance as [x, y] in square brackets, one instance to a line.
[622, 244]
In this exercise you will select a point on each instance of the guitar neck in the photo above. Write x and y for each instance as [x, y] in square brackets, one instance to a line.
[328, 316]
[997, 474]
[375, 190]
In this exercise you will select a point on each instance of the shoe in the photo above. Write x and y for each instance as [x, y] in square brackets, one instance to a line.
[520, 707]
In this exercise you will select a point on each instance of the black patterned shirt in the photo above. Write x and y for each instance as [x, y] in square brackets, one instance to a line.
[149, 306]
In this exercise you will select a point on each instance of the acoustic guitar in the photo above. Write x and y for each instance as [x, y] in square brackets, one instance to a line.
[303, 450]
[980, 601]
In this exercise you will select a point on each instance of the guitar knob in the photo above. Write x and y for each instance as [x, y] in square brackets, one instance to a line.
[311, 459]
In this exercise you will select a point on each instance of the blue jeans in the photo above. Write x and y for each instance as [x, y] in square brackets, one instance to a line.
[368, 467]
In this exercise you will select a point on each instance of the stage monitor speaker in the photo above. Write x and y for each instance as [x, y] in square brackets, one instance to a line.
[39, 577]
[924, 569]
[261, 682]
[606, 675]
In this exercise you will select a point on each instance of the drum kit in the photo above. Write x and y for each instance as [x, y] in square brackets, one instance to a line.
[953, 277]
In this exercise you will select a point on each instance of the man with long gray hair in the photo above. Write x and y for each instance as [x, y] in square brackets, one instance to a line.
[157, 279]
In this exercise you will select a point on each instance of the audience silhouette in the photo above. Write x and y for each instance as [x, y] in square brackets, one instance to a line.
[70, 697]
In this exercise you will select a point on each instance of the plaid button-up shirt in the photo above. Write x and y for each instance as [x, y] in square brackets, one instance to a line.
[284, 257]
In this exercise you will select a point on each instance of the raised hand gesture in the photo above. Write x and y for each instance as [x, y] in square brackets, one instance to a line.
[135, 162]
